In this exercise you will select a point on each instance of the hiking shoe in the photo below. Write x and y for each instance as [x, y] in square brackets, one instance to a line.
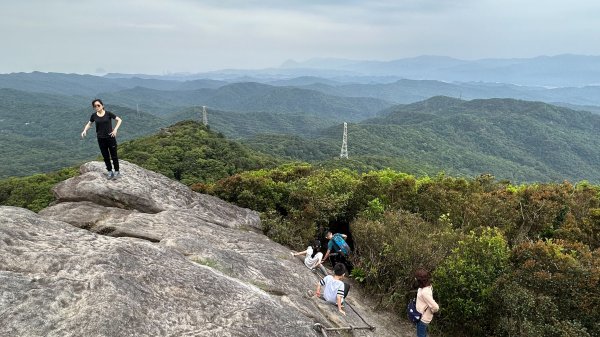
[117, 174]
[110, 175]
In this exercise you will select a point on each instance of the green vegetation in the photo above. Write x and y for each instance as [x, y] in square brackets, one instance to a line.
[516, 140]
[507, 260]
[33, 192]
[191, 153]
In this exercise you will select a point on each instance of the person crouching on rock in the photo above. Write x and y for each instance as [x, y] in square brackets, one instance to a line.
[335, 291]
[338, 249]
[314, 257]
[107, 136]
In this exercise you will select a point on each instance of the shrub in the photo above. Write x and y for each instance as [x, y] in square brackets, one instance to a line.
[390, 249]
[465, 280]
[561, 279]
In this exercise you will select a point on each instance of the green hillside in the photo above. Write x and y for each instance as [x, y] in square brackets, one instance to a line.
[262, 97]
[240, 124]
[511, 139]
[191, 153]
[251, 97]
[89, 85]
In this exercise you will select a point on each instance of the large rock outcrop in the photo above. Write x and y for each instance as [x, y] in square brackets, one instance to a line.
[145, 256]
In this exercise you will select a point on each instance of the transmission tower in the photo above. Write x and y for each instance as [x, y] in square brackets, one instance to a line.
[204, 115]
[344, 153]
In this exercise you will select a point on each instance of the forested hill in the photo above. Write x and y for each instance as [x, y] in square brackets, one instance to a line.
[512, 139]
[190, 152]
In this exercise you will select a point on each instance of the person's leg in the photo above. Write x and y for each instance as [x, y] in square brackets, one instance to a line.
[113, 153]
[333, 259]
[104, 145]
[421, 329]
[323, 270]
[346, 289]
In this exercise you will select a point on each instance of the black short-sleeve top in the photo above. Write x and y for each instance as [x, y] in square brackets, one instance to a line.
[103, 124]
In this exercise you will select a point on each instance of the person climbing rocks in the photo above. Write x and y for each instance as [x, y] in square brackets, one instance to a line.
[313, 257]
[334, 289]
[341, 250]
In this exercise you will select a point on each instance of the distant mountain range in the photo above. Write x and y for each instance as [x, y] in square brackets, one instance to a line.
[42, 114]
[554, 71]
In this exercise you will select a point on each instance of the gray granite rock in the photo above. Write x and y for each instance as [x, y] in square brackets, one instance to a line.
[146, 256]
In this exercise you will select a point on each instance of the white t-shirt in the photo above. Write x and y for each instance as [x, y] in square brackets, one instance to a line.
[332, 288]
[310, 261]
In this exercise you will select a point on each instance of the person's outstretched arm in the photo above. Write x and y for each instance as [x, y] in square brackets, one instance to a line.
[85, 128]
[299, 253]
[327, 254]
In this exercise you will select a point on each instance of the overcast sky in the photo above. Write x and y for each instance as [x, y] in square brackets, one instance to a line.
[156, 37]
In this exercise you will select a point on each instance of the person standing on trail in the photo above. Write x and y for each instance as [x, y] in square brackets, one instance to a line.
[426, 305]
[107, 136]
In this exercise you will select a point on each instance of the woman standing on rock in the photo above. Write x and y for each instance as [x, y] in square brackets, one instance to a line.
[426, 305]
[107, 136]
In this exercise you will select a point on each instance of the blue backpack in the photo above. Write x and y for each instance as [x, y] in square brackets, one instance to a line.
[341, 244]
[412, 313]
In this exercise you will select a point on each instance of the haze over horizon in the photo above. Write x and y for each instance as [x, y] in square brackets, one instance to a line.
[157, 37]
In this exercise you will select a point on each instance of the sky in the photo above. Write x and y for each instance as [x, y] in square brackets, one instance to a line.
[170, 36]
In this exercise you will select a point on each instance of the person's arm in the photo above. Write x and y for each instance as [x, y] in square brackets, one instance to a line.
[339, 304]
[114, 131]
[344, 236]
[85, 128]
[299, 253]
[327, 254]
[427, 296]
[318, 292]
[340, 299]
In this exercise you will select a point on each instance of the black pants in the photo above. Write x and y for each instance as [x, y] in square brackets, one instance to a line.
[108, 147]
[346, 289]
[341, 258]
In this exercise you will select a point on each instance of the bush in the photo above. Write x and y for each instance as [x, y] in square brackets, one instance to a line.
[465, 280]
[561, 279]
[389, 250]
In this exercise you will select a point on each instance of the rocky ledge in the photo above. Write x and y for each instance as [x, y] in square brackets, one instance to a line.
[143, 255]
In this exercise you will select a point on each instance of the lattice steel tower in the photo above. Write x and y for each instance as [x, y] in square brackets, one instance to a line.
[344, 153]
[204, 115]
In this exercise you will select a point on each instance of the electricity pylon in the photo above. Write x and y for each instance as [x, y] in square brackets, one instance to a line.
[344, 153]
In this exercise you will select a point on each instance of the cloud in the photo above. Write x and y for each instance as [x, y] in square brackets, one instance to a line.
[193, 35]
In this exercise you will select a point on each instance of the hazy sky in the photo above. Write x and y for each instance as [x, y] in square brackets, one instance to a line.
[152, 36]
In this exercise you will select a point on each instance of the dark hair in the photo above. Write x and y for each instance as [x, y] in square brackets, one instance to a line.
[423, 278]
[97, 100]
[339, 269]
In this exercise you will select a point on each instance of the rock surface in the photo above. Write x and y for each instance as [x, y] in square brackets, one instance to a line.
[145, 256]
